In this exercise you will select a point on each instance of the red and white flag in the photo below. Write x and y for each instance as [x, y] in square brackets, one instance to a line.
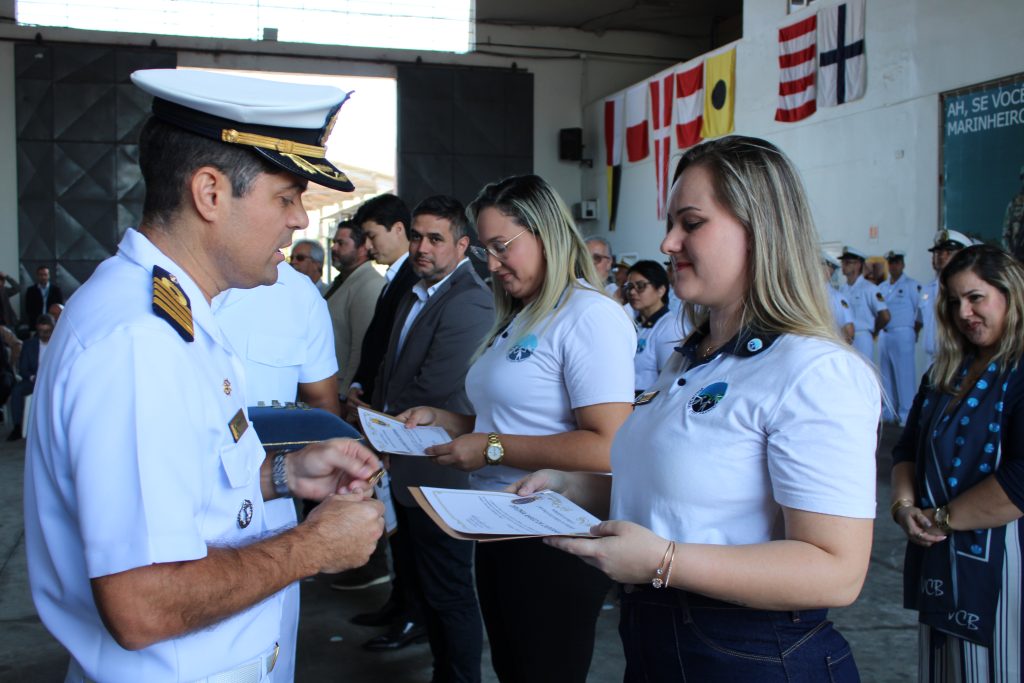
[689, 104]
[798, 61]
[662, 89]
[637, 142]
[613, 153]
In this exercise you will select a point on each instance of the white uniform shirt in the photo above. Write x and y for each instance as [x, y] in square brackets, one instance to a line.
[865, 301]
[840, 308]
[723, 444]
[284, 335]
[131, 461]
[656, 340]
[902, 298]
[926, 314]
[580, 355]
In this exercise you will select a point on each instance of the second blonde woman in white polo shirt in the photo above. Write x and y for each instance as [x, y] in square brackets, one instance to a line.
[743, 484]
[549, 389]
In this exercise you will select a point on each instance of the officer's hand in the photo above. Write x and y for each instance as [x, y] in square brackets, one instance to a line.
[464, 453]
[343, 531]
[627, 552]
[421, 416]
[335, 465]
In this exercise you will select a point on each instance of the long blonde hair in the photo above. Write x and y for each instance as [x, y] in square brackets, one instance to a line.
[758, 185]
[533, 204]
[1000, 270]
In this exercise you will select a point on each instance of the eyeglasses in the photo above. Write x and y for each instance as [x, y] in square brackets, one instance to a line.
[640, 286]
[299, 258]
[498, 250]
[601, 257]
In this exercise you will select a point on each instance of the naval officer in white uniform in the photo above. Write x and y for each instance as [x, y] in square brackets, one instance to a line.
[896, 340]
[840, 306]
[945, 244]
[150, 555]
[870, 314]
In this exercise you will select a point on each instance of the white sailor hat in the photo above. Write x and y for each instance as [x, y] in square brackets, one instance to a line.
[285, 123]
[950, 240]
[829, 259]
[852, 252]
[895, 255]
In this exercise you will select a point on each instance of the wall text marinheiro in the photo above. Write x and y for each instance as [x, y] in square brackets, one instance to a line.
[972, 113]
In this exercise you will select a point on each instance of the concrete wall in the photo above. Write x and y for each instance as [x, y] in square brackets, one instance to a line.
[873, 162]
[570, 69]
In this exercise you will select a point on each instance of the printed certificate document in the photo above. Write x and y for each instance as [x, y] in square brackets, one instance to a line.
[389, 435]
[498, 516]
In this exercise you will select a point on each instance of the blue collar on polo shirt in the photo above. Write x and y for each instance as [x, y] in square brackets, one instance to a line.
[747, 342]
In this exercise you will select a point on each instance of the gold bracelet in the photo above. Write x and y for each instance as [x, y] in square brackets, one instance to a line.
[668, 572]
[898, 505]
[657, 581]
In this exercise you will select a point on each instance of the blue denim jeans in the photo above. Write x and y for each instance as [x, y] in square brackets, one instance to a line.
[673, 635]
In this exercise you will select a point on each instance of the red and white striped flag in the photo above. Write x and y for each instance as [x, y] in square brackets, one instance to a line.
[637, 143]
[662, 89]
[798, 61]
[689, 104]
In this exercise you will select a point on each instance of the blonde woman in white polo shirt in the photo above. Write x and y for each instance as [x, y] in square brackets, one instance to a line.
[743, 484]
[550, 387]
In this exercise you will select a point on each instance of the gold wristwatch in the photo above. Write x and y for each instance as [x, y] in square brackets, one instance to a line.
[942, 520]
[494, 451]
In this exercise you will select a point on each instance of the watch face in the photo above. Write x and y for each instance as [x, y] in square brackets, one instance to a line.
[494, 452]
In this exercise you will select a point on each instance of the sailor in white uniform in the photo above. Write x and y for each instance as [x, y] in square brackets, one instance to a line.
[840, 306]
[149, 551]
[870, 313]
[896, 341]
[946, 243]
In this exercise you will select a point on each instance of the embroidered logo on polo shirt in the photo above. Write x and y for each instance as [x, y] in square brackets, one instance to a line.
[708, 397]
[641, 344]
[523, 349]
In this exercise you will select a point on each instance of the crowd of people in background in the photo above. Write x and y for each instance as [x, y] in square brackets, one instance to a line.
[688, 402]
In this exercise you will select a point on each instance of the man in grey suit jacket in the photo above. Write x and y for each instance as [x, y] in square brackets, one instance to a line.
[352, 298]
[437, 328]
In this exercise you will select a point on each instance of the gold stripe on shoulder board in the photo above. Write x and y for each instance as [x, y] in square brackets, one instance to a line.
[171, 303]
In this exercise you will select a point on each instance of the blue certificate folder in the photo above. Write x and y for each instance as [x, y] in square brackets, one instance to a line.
[294, 426]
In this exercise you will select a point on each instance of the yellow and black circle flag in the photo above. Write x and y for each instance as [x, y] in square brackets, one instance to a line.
[719, 94]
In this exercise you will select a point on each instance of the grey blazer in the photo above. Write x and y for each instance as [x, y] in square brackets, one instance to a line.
[431, 368]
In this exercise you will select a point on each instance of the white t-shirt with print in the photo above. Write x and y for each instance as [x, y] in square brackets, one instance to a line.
[725, 444]
[529, 384]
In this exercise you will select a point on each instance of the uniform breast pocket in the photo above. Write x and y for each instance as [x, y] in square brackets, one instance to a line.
[276, 351]
[236, 507]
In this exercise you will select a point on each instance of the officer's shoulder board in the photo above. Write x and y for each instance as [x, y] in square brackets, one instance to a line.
[844, 303]
[171, 303]
[878, 295]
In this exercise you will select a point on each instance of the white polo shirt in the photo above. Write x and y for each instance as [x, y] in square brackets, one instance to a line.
[656, 340]
[131, 462]
[530, 383]
[902, 299]
[865, 302]
[789, 421]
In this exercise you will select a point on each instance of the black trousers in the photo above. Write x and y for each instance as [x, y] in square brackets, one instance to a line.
[436, 573]
[540, 607]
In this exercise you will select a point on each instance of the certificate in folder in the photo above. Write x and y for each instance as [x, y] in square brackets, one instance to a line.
[499, 516]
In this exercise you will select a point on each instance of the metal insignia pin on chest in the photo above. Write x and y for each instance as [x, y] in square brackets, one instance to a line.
[245, 514]
[227, 387]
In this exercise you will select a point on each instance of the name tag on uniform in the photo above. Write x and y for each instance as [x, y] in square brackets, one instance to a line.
[644, 398]
[238, 425]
